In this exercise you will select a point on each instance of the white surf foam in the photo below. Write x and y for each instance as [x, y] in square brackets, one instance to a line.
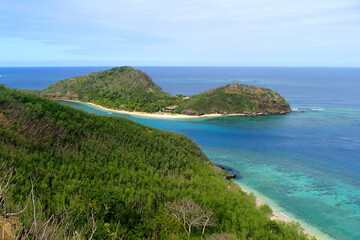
[297, 110]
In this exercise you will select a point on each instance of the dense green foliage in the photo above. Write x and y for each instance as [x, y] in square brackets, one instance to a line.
[129, 89]
[123, 172]
[235, 98]
[118, 88]
[266, 209]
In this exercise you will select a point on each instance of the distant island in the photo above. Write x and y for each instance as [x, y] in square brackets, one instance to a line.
[131, 90]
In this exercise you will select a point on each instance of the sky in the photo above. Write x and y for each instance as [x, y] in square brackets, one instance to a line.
[180, 33]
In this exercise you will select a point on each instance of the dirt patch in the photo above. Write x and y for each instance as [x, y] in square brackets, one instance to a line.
[231, 90]
[11, 225]
[234, 88]
[3, 119]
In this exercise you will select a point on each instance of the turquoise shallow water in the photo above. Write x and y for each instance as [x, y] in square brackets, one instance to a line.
[307, 163]
[289, 159]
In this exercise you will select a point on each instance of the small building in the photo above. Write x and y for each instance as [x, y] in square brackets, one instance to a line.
[186, 98]
[169, 109]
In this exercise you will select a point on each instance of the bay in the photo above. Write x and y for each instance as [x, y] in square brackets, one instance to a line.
[306, 163]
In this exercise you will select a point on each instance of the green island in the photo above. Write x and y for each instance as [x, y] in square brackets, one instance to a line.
[68, 174]
[125, 88]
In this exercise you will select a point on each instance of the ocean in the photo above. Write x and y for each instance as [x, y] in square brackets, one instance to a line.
[305, 163]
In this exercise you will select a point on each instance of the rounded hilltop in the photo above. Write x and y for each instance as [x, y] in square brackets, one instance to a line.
[125, 88]
[122, 88]
[236, 99]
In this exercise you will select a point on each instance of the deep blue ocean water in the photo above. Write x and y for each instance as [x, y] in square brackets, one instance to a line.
[306, 163]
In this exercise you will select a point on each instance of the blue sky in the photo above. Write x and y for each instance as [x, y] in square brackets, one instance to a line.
[180, 33]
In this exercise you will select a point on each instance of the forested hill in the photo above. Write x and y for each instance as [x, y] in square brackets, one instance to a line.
[128, 89]
[235, 99]
[118, 88]
[111, 178]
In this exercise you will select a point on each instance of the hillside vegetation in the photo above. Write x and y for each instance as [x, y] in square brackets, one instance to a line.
[131, 180]
[235, 99]
[118, 88]
[128, 89]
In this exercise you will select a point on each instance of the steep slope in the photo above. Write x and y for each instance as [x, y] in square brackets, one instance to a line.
[119, 88]
[235, 99]
[123, 174]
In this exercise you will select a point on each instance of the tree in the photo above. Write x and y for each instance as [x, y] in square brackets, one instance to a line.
[266, 209]
[22, 226]
[190, 214]
[221, 236]
[166, 224]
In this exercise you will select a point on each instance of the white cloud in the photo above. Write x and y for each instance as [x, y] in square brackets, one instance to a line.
[236, 29]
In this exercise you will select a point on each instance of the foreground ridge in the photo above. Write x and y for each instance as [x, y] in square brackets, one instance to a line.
[115, 179]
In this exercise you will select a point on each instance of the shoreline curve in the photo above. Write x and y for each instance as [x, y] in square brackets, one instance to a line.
[168, 115]
[276, 215]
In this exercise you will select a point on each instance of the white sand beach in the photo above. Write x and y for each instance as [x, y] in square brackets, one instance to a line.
[158, 115]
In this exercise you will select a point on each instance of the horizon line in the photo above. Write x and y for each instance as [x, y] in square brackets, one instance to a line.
[196, 66]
